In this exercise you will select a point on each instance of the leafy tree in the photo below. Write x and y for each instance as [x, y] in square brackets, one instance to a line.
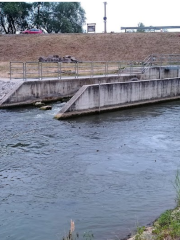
[37, 5]
[43, 15]
[140, 26]
[14, 16]
[63, 17]
[54, 17]
[71, 17]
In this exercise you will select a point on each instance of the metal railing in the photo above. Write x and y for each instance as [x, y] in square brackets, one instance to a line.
[61, 70]
[18, 69]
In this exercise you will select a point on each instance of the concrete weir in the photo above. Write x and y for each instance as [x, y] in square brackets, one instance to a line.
[28, 92]
[108, 96]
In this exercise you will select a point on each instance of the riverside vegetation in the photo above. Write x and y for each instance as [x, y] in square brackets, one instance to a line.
[166, 227]
[75, 236]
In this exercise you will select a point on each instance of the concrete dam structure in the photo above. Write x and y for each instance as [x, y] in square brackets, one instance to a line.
[99, 93]
[102, 97]
[28, 92]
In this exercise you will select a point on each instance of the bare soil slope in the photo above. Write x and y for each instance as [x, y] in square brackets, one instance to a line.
[88, 47]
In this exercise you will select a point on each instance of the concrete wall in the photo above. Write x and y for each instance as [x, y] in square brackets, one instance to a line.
[95, 98]
[161, 72]
[31, 91]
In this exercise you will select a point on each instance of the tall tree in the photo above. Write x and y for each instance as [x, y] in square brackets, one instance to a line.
[43, 14]
[59, 17]
[14, 16]
[54, 17]
[140, 27]
[71, 17]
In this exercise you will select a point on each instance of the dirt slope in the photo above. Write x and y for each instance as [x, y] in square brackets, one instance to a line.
[89, 47]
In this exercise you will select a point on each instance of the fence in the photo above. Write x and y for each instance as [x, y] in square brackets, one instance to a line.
[61, 70]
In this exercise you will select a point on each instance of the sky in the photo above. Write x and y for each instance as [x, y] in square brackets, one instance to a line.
[128, 13]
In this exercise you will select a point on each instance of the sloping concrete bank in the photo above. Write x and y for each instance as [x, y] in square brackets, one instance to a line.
[103, 97]
[31, 91]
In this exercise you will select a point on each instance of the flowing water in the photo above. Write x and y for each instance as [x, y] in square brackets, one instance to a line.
[108, 172]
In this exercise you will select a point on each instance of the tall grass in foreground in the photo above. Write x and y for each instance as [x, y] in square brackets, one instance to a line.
[75, 236]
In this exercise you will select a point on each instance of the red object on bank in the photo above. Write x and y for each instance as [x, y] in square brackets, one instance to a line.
[32, 31]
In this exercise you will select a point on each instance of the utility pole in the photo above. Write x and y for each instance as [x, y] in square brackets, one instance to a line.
[105, 18]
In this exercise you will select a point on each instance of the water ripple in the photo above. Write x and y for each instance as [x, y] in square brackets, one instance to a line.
[105, 171]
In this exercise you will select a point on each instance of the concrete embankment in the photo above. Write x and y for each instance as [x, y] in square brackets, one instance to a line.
[103, 97]
[31, 91]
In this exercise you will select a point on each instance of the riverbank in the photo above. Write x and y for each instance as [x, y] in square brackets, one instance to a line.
[87, 47]
[167, 226]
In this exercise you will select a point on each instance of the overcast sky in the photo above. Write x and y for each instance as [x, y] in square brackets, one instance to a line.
[131, 12]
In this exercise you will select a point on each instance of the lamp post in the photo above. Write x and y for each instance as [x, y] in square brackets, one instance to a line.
[105, 18]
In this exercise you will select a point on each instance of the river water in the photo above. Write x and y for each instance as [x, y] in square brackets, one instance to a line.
[109, 172]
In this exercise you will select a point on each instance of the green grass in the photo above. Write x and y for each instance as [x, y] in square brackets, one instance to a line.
[75, 236]
[167, 227]
[139, 233]
[168, 224]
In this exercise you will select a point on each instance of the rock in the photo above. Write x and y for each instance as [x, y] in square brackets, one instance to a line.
[49, 59]
[45, 107]
[73, 59]
[42, 59]
[38, 104]
[56, 58]
[67, 56]
[66, 60]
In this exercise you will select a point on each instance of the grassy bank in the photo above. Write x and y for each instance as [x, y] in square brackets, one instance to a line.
[88, 47]
[167, 226]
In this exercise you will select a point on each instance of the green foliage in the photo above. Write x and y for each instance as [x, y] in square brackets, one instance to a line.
[59, 17]
[72, 236]
[139, 233]
[14, 16]
[54, 17]
[165, 218]
[140, 26]
[88, 236]
[168, 224]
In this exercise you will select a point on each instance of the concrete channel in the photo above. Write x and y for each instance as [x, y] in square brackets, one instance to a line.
[103, 97]
[28, 92]
[99, 93]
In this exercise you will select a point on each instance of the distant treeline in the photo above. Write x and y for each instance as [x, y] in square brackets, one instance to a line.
[54, 17]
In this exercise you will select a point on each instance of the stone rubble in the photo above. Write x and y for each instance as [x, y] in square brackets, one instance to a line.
[56, 58]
